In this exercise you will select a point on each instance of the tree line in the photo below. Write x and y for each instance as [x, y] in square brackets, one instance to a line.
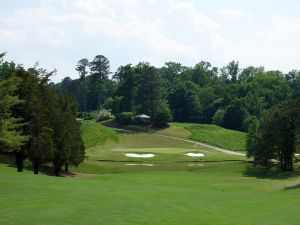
[36, 121]
[230, 96]
[243, 99]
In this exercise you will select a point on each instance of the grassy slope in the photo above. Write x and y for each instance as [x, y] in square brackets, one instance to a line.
[210, 195]
[95, 134]
[208, 133]
[212, 134]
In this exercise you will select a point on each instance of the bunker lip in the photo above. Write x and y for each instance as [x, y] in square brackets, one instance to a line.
[135, 155]
[193, 154]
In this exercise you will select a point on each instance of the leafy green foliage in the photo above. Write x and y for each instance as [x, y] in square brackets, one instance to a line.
[104, 114]
[275, 137]
[162, 116]
[124, 118]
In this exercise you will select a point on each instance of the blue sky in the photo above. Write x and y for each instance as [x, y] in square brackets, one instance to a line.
[58, 33]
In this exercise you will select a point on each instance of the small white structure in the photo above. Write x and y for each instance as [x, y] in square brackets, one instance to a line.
[142, 118]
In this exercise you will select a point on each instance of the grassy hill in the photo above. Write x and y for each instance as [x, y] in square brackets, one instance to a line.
[212, 134]
[208, 133]
[95, 134]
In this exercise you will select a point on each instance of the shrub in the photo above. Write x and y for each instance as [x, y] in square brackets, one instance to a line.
[218, 117]
[163, 116]
[104, 114]
[124, 118]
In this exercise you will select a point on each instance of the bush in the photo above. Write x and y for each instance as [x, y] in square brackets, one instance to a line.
[104, 114]
[248, 122]
[218, 117]
[163, 116]
[125, 118]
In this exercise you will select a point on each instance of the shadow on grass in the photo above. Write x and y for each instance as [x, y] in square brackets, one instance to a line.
[269, 173]
[9, 160]
[297, 186]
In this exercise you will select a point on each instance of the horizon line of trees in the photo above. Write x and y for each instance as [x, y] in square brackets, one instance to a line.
[36, 122]
[231, 97]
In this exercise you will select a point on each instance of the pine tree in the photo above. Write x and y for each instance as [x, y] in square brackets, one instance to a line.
[11, 137]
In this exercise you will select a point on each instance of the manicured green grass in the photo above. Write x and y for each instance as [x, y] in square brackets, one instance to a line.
[208, 133]
[165, 149]
[176, 130]
[95, 134]
[218, 194]
[170, 188]
[215, 135]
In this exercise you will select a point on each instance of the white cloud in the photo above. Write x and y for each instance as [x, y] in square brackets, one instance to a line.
[230, 13]
[200, 20]
[12, 35]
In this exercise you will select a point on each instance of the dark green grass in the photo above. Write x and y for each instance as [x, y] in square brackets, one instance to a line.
[220, 194]
[215, 135]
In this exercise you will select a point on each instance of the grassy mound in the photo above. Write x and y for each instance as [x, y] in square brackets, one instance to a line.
[215, 135]
[95, 134]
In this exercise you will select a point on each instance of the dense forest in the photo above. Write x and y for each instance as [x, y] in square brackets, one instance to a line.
[231, 97]
[36, 122]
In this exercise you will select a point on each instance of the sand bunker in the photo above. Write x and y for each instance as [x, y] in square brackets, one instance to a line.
[193, 154]
[135, 155]
[195, 164]
[135, 164]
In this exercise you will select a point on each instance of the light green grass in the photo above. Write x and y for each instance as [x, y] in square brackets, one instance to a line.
[176, 130]
[210, 195]
[95, 134]
[165, 149]
[215, 135]
[208, 133]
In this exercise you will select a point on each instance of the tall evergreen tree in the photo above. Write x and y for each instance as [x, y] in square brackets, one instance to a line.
[82, 67]
[149, 92]
[100, 69]
[11, 136]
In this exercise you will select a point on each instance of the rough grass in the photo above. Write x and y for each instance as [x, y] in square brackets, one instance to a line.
[215, 135]
[222, 194]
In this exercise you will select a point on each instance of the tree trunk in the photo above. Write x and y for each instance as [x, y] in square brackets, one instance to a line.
[67, 167]
[57, 168]
[35, 167]
[20, 160]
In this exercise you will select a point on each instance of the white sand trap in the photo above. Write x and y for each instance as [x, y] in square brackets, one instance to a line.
[135, 155]
[195, 164]
[192, 154]
[297, 155]
[133, 164]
